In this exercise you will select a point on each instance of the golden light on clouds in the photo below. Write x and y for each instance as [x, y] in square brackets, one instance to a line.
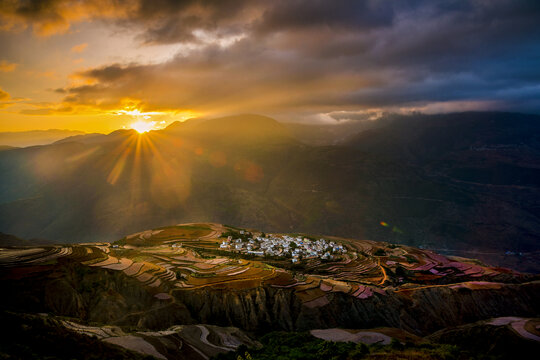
[56, 17]
[137, 113]
[79, 48]
[6, 66]
[3, 95]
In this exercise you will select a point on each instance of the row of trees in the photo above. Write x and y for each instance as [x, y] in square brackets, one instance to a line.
[304, 346]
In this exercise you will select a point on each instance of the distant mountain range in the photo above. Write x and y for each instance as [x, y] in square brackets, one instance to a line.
[464, 184]
[34, 137]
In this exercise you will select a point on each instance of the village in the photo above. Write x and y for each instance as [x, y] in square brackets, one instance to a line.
[295, 248]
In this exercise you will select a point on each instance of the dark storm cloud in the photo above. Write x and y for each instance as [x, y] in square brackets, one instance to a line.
[285, 15]
[173, 21]
[110, 73]
[321, 55]
[169, 21]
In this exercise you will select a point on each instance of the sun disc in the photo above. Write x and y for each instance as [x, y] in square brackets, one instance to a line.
[143, 126]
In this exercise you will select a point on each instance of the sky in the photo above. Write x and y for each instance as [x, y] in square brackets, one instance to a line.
[100, 65]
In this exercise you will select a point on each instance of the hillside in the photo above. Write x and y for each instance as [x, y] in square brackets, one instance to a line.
[95, 138]
[495, 156]
[10, 240]
[245, 127]
[423, 138]
[177, 291]
[335, 133]
[474, 195]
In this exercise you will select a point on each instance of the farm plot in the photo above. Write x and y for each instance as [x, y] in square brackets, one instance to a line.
[281, 279]
[357, 271]
[178, 342]
[110, 260]
[363, 292]
[30, 256]
[18, 253]
[122, 264]
[309, 283]
[148, 273]
[133, 269]
[525, 327]
[136, 343]
[237, 277]
[84, 253]
[183, 233]
[310, 294]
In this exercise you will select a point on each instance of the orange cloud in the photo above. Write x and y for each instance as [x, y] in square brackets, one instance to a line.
[48, 108]
[4, 95]
[6, 66]
[50, 74]
[56, 16]
[79, 48]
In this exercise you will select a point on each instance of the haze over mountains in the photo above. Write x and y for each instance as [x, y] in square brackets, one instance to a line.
[464, 183]
[35, 137]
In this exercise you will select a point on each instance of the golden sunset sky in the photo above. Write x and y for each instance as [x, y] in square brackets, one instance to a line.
[100, 65]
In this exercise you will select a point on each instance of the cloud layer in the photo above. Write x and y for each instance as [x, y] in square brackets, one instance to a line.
[306, 56]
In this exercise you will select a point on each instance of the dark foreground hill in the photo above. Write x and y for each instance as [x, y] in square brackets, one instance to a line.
[465, 184]
[187, 291]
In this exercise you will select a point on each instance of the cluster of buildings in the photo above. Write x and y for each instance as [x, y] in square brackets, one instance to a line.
[296, 248]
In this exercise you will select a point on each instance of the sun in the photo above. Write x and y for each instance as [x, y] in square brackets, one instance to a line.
[143, 126]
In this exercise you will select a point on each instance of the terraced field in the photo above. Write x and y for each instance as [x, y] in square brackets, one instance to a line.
[187, 257]
[172, 265]
[180, 341]
[32, 256]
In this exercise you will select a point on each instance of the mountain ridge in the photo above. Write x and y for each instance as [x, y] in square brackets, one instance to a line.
[35, 137]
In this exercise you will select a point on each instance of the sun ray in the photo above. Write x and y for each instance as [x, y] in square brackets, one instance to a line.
[118, 168]
[120, 155]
